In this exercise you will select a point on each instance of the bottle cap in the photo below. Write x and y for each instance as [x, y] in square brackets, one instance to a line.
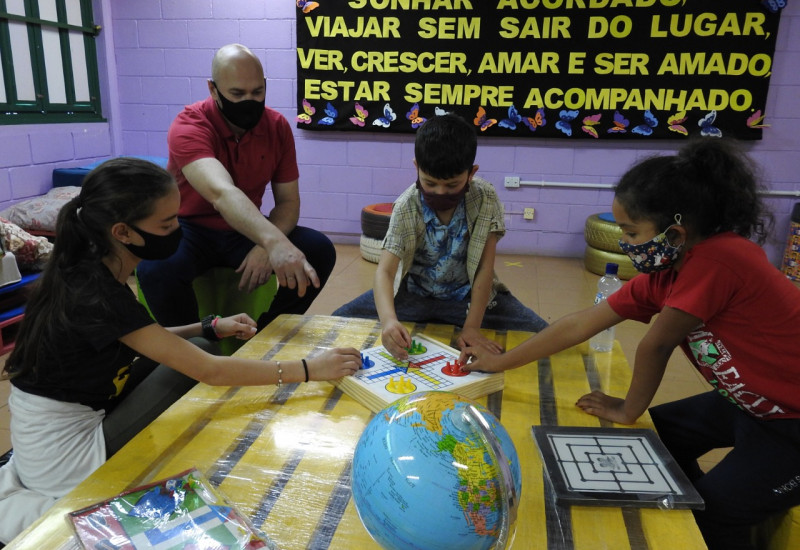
[611, 268]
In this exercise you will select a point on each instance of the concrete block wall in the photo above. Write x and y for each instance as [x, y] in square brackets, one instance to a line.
[157, 56]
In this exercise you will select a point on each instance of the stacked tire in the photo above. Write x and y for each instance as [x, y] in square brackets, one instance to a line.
[602, 236]
[374, 224]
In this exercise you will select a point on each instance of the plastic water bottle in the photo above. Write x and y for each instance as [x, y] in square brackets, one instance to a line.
[606, 286]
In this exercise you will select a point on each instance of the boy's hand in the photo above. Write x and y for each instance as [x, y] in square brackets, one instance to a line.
[473, 337]
[610, 408]
[396, 339]
[481, 358]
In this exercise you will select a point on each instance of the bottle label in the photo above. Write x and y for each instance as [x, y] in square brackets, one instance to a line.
[598, 298]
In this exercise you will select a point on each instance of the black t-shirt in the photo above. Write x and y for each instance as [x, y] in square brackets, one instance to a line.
[92, 365]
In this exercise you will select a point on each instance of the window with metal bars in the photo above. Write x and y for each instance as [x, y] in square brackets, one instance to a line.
[48, 62]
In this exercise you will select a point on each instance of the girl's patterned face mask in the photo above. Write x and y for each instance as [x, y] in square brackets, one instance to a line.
[655, 254]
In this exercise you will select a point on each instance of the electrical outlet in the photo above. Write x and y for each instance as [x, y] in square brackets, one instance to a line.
[528, 213]
[512, 181]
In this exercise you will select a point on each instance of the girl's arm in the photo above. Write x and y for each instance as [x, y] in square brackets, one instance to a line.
[160, 345]
[394, 335]
[566, 332]
[240, 325]
[479, 299]
[668, 331]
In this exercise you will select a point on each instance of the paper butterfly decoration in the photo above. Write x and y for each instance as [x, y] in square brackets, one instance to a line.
[438, 111]
[589, 124]
[535, 121]
[482, 121]
[361, 115]
[620, 124]
[513, 119]
[646, 129]
[388, 117]
[331, 114]
[565, 124]
[707, 127]
[413, 116]
[773, 6]
[676, 121]
[306, 6]
[308, 110]
[756, 120]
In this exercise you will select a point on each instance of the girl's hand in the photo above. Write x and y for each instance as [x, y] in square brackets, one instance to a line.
[240, 325]
[334, 363]
[473, 337]
[395, 339]
[481, 358]
[610, 408]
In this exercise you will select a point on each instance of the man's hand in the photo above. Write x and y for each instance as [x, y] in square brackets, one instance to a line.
[285, 260]
[395, 338]
[610, 408]
[473, 337]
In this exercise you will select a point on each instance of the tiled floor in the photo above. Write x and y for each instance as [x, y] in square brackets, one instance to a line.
[551, 286]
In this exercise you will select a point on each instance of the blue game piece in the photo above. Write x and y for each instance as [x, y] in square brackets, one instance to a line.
[366, 362]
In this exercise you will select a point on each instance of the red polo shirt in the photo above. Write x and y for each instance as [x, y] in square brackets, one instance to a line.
[264, 154]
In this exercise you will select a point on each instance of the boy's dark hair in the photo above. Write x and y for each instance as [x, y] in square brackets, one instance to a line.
[446, 146]
[710, 182]
[119, 190]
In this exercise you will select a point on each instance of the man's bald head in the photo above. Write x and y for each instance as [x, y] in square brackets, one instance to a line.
[234, 58]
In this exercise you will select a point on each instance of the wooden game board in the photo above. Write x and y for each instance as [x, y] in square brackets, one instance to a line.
[432, 366]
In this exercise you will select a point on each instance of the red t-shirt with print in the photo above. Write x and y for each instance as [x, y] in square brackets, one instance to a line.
[748, 344]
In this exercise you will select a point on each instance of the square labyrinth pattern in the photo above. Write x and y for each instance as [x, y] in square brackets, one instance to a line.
[603, 464]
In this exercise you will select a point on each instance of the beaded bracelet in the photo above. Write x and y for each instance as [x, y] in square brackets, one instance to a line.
[280, 374]
[305, 368]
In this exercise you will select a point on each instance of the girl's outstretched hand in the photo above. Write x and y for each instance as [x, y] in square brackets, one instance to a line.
[480, 358]
[610, 408]
[334, 363]
[240, 325]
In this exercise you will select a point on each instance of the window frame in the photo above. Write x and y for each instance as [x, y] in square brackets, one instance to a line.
[42, 111]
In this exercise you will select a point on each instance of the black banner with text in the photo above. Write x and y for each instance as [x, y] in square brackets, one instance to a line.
[537, 68]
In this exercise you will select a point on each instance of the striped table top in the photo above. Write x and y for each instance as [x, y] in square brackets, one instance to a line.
[283, 455]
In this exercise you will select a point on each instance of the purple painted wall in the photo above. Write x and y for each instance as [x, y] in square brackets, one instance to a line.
[156, 55]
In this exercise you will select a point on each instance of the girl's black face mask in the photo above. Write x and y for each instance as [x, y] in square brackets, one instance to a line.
[156, 247]
[244, 114]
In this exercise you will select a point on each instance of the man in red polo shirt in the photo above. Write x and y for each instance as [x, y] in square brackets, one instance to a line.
[223, 152]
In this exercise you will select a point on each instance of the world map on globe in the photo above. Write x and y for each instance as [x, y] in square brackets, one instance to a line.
[436, 471]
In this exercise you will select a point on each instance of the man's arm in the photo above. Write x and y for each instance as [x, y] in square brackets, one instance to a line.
[273, 250]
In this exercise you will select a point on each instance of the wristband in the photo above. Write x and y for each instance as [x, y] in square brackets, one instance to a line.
[214, 326]
[305, 368]
[207, 324]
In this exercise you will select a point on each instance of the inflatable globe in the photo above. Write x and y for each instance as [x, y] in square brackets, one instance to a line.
[436, 471]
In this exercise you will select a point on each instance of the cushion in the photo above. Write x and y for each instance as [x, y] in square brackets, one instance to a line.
[40, 213]
[74, 176]
[31, 252]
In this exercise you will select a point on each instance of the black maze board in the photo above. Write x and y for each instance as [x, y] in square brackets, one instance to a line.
[613, 467]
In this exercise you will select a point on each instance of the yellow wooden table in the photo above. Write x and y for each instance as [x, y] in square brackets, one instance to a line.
[283, 455]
